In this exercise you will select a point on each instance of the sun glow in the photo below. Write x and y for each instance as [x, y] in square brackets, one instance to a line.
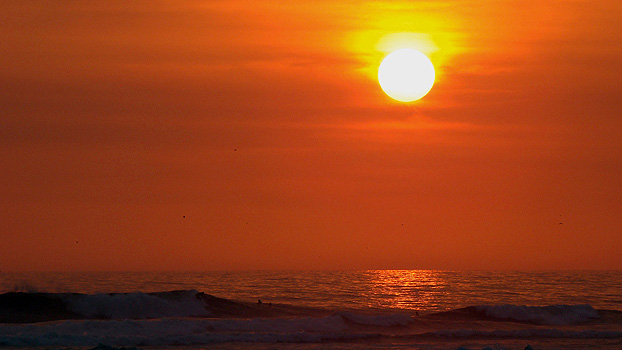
[406, 75]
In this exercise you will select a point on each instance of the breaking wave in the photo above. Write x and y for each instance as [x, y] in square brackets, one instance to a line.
[189, 317]
[17, 307]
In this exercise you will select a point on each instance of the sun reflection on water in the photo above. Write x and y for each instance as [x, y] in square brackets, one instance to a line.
[405, 289]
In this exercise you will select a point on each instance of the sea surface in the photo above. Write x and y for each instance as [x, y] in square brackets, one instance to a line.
[373, 309]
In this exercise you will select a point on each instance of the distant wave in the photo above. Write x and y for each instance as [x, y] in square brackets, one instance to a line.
[542, 315]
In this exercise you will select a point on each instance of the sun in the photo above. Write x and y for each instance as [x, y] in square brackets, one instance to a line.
[406, 75]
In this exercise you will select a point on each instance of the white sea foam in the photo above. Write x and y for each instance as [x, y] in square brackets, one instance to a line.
[378, 320]
[528, 333]
[175, 332]
[290, 325]
[193, 331]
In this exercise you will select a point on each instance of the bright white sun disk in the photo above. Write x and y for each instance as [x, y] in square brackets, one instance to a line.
[406, 75]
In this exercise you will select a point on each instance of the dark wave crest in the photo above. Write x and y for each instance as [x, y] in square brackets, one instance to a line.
[556, 315]
[18, 307]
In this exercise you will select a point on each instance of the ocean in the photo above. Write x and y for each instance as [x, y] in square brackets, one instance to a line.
[312, 310]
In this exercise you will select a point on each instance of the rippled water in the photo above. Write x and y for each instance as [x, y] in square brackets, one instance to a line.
[423, 290]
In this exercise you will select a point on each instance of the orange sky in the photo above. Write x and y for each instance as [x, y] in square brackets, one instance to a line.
[243, 134]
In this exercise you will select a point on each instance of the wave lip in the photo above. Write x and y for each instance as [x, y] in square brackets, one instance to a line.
[557, 315]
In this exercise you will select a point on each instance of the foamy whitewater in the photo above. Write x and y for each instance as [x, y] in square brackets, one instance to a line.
[312, 310]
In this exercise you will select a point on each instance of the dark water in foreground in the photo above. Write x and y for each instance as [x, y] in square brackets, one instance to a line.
[312, 310]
